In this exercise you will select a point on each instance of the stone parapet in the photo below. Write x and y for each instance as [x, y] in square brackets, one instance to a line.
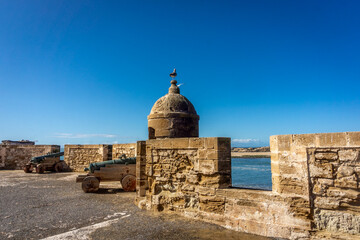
[315, 191]
[77, 157]
[129, 149]
[14, 157]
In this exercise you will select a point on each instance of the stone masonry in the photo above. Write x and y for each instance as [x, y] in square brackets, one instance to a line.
[315, 185]
[78, 157]
[129, 149]
[15, 157]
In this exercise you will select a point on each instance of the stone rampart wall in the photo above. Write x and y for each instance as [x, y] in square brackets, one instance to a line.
[315, 185]
[171, 172]
[334, 188]
[14, 157]
[322, 171]
[77, 157]
[129, 149]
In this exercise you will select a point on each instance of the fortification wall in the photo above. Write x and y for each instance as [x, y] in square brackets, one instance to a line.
[323, 170]
[315, 185]
[78, 157]
[129, 149]
[14, 157]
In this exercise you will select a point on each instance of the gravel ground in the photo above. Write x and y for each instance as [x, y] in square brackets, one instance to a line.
[53, 206]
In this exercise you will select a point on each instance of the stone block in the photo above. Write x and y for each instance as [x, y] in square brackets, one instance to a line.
[197, 143]
[329, 156]
[347, 155]
[304, 140]
[326, 202]
[274, 144]
[193, 178]
[275, 168]
[224, 155]
[274, 157]
[211, 143]
[354, 139]
[345, 171]
[206, 191]
[210, 180]
[332, 139]
[212, 154]
[224, 144]
[284, 142]
[224, 166]
[321, 170]
[207, 167]
[343, 193]
[347, 182]
[291, 169]
[212, 204]
[180, 142]
[290, 185]
[140, 148]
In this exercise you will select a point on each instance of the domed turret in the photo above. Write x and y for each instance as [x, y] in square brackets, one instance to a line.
[173, 116]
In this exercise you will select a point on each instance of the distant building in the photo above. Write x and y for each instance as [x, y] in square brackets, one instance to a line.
[21, 142]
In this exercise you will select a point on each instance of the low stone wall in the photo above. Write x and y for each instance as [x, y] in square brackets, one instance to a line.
[315, 185]
[77, 157]
[171, 172]
[129, 149]
[14, 157]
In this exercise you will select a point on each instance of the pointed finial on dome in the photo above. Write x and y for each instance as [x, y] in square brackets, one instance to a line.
[174, 88]
[173, 74]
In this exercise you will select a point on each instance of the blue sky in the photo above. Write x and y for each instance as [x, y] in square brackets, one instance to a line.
[90, 71]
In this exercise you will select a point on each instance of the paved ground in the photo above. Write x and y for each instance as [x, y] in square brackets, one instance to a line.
[53, 206]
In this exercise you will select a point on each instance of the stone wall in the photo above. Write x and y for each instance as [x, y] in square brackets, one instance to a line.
[129, 149]
[77, 157]
[315, 185]
[334, 188]
[319, 169]
[171, 172]
[14, 157]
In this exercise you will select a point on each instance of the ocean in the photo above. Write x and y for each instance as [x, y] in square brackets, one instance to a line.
[252, 173]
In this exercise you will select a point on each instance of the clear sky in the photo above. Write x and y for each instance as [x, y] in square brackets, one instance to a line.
[90, 71]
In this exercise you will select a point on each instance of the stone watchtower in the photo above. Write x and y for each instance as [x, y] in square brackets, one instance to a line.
[173, 116]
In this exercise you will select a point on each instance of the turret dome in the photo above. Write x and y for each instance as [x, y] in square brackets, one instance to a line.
[173, 116]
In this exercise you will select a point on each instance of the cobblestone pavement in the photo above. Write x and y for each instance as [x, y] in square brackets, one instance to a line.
[53, 206]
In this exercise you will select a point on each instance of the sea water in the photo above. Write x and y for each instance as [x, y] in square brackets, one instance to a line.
[252, 173]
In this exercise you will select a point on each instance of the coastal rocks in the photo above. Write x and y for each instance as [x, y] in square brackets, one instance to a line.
[257, 149]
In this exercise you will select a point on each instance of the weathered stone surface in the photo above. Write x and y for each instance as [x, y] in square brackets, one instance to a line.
[78, 157]
[15, 157]
[129, 149]
[349, 155]
[336, 196]
[336, 221]
[212, 204]
[315, 186]
[173, 116]
[326, 156]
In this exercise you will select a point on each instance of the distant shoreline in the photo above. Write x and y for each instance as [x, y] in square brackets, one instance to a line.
[250, 154]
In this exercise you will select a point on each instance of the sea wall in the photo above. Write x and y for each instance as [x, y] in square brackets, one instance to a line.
[14, 157]
[78, 157]
[315, 179]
